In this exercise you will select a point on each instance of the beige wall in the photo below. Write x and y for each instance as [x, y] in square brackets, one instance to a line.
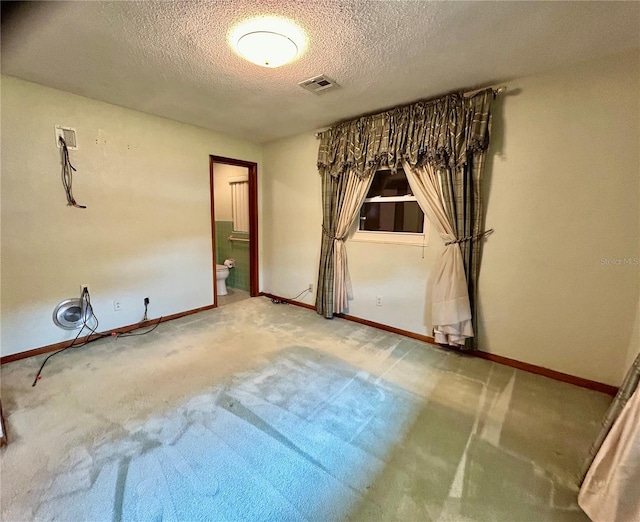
[563, 198]
[292, 216]
[563, 186]
[145, 232]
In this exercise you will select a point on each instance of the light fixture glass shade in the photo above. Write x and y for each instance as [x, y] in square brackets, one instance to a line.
[267, 48]
[268, 41]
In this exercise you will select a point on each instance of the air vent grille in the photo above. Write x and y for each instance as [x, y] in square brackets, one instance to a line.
[318, 84]
[68, 134]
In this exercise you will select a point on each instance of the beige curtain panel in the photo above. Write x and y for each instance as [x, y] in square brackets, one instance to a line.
[611, 489]
[451, 310]
[355, 191]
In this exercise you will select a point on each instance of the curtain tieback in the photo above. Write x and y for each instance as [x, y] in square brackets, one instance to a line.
[331, 236]
[469, 238]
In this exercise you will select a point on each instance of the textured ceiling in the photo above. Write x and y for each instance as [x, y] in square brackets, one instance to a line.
[172, 58]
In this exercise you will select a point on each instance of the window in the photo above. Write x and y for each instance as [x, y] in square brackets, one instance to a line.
[240, 203]
[390, 212]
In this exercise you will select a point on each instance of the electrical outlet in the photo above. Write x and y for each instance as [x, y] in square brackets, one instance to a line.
[117, 306]
[83, 286]
[311, 287]
[378, 300]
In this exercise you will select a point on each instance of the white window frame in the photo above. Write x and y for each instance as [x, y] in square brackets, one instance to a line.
[394, 238]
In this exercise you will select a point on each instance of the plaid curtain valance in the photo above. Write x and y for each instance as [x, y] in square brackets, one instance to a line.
[442, 132]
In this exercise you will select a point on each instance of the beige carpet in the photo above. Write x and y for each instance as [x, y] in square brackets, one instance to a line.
[233, 296]
[258, 411]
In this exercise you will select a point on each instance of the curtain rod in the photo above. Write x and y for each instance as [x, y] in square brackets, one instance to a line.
[497, 91]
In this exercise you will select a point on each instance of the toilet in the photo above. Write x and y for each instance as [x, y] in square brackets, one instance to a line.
[222, 272]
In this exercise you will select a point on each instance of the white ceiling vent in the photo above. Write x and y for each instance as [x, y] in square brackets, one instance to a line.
[68, 134]
[318, 84]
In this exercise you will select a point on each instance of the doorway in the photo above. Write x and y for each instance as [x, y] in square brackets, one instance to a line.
[234, 229]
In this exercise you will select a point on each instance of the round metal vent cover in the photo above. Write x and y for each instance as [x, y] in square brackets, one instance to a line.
[68, 314]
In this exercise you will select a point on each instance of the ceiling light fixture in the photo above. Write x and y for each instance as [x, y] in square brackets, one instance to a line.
[267, 49]
[268, 41]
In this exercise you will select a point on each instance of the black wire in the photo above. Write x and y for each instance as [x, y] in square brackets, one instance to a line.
[94, 329]
[85, 299]
[281, 301]
[67, 175]
[296, 297]
[129, 334]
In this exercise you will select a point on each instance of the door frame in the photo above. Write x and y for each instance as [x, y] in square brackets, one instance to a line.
[252, 168]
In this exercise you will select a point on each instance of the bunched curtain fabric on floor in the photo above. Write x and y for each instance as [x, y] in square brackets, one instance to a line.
[611, 487]
[451, 134]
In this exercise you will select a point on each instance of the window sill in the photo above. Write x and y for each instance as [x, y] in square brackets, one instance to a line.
[420, 240]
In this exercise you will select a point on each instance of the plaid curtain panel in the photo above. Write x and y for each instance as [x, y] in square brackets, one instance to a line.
[324, 293]
[462, 191]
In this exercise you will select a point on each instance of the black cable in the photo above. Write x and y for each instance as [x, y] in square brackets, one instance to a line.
[85, 301]
[129, 334]
[281, 301]
[67, 175]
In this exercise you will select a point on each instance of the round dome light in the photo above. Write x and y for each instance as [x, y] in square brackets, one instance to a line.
[267, 49]
[268, 41]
